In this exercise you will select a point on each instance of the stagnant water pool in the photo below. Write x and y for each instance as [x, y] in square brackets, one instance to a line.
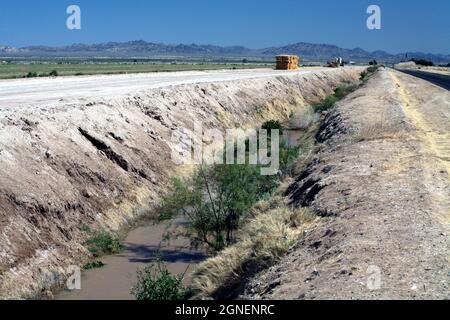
[142, 246]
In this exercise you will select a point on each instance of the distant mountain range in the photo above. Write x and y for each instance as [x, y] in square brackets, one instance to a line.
[308, 51]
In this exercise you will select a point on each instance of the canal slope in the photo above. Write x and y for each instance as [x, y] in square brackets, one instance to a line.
[104, 161]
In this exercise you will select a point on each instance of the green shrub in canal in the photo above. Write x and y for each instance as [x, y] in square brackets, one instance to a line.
[155, 282]
[288, 155]
[101, 242]
[273, 125]
[341, 92]
[93, 265]
[326, 103]
[217, 198]
[368, 73]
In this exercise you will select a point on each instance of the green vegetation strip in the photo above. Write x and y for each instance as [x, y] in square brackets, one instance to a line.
[343, 90]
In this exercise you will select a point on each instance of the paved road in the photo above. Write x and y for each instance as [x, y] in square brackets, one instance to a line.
[22, 92]
[438, 79]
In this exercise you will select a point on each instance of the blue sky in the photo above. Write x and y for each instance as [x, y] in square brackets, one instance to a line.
[407, 25]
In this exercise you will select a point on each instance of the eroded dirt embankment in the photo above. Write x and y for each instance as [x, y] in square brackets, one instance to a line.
[381, 183]
[103, 163]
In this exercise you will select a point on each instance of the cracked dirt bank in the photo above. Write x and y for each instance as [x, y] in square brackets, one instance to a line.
[103, 162]
[381, 184]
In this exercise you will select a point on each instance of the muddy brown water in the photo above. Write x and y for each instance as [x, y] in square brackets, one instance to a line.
[142, 246]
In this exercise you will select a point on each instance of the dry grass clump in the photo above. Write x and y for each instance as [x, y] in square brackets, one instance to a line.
[263, 240]
[267, 204]
[379, 131]
[303, 118]
[308, 148]
[284, 186]
[379, 127]
[272, 233]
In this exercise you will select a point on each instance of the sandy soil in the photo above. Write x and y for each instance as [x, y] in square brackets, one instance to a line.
[103, 160]
[62, 90]
[381, 183]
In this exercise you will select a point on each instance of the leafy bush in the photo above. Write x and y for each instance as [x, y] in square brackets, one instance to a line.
[215, 200]
[273, 125]
[342, 91]
[288, 155]
[31, 75]
[155, 282]
[368, 73]
[326, 104]
[101, 242]
[93, 265]
[53, 73]
[372, 70]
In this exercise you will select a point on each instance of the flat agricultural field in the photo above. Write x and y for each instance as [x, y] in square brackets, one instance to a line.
[13, 70]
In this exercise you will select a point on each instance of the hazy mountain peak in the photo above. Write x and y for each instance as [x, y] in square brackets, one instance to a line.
[307, 51]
